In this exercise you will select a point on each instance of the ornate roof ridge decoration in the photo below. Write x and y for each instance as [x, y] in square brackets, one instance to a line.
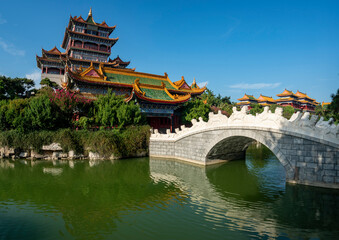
[194, 85]
[180, 82]
[309, 126]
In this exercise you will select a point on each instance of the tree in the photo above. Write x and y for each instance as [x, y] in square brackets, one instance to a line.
[334, 106]
[48, 83]
[273, 107]
[194, 109]
[288, 111]
[209, 97]
[128, 114]
[11, 88]
[256, 108]
[41, 114]
[111, 110]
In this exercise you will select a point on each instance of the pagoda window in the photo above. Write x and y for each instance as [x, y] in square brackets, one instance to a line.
[103, 33]
[91, 46]
[77, 43]
[53, 71]
[103, 48]
[77, 55]
[92, 32]
[78, 29]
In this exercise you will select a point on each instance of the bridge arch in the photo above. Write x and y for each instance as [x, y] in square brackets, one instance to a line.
[232, 145]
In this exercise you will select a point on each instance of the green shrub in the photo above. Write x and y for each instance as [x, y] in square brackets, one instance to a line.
[41, 114]
[111, 110]
[256, 108]
[288, 111]
[194, 109]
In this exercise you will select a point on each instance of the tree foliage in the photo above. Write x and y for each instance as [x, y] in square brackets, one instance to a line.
[256, 108]
[46, 82]
[334, 106]
[11, 88]
[41, 114]
[209, 97]
[111, 110]
[194, 109]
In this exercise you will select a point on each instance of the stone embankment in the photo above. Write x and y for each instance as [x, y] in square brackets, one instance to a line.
[54, 152]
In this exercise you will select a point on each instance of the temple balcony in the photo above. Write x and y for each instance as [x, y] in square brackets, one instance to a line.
[90, 46]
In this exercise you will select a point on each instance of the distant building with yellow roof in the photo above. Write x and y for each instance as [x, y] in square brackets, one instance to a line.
[265, 100]
[298, 100]
[247, 100]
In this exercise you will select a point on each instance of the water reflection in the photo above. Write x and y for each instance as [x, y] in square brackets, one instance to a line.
[161, 199]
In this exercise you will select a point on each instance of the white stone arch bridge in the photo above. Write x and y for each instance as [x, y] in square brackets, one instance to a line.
[306, 146]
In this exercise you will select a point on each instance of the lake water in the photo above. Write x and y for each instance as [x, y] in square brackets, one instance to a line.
[162, 199]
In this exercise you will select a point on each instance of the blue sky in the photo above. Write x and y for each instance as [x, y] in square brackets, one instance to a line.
[236, 47]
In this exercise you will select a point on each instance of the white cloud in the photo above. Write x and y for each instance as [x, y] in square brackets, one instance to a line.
[255, 85]
[202, 84]
[2, 20]
[35, 76]
[11, 49]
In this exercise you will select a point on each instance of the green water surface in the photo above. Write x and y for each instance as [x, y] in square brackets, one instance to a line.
[161, 199]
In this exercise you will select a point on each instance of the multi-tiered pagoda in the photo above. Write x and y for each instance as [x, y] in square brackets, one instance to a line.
[85, 67]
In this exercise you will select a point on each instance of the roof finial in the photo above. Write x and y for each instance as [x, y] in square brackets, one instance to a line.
[194, 81]
[90, 12]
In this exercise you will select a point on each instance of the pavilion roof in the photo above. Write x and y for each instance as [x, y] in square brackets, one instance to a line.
[286, 93]
[148, 87]
[90, 20]
[118, 61]
[303, 95]
[263, 98]
[247, 97]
